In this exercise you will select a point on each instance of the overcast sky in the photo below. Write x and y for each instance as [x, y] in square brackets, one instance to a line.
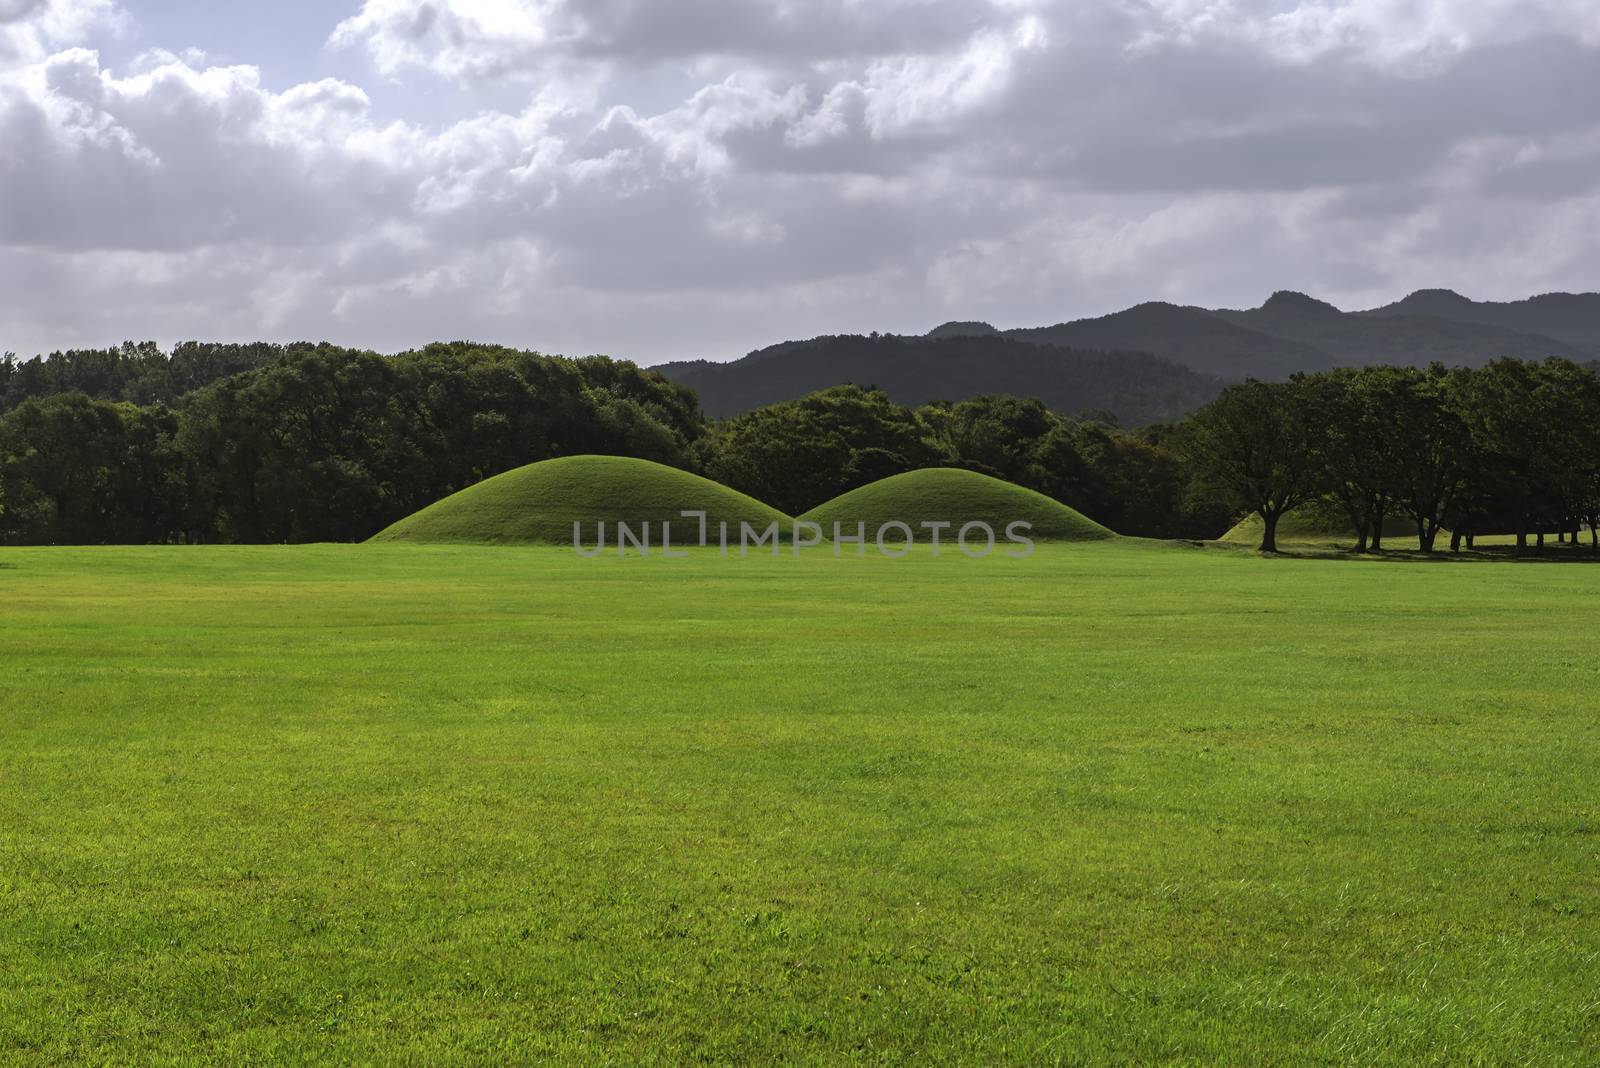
[665, 179]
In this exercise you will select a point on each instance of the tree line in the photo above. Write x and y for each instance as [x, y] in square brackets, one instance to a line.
[138, 372]
[262, 443]
[1510, 448]
[317, 443]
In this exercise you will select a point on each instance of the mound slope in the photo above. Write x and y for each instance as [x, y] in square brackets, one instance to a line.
[539, 503]
[951, 495]
[1309, 526]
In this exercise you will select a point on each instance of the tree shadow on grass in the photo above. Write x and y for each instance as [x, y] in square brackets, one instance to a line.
[1553, 553]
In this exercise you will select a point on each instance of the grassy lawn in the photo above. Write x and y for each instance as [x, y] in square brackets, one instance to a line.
[1112, 803]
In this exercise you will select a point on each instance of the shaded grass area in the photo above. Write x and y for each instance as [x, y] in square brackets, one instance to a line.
[1111, 803]
[1488, 549]
[1313, 532]
[1310, 525]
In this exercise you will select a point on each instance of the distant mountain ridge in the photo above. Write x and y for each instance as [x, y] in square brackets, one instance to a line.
[1155, 361]
[1402, 334]
[1570, 317]
[1136, 387]
[1199, 339]
[963, 330]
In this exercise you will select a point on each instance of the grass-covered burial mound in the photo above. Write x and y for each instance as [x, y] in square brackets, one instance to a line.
[950, 495]
[538, 504]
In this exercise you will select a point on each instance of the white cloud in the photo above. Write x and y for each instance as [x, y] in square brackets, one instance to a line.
[909, 94]
[30, 29]
[699, 177]
[1388, 32]
[178, 158]
[458, 38]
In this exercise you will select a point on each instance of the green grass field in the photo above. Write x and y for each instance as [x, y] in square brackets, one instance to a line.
[1113, 803]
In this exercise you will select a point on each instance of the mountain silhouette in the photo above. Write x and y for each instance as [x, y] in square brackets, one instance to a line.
[1155, 361]
[1194, 337]
[1415, 337]
[1573, 318]
[1137, 388]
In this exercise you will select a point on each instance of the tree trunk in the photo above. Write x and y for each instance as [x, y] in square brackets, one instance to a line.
[1427, 535]
[1594, 535]
[1377, 529]
[1269, 532]
[1359, 522]
[1522, 535]
[1455, 541]
[1541, 539]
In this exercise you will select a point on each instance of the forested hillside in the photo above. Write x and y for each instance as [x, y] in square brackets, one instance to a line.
[1404, 340]
[1193, 337]
[1573, 318]
[1154, 361]
[1134, 387]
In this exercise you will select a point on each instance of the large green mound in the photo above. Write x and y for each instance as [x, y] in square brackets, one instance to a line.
[951, 495]
[539, 503]
[1313, 526]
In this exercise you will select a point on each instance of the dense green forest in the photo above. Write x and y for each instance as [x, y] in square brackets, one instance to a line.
[316, 443]
[262, 443]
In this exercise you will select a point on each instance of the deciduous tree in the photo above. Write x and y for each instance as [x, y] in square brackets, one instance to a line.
[1258, 448]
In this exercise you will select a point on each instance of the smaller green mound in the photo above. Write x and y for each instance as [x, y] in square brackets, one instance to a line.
[954, 496]
[1313, 526]
[537, 505]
